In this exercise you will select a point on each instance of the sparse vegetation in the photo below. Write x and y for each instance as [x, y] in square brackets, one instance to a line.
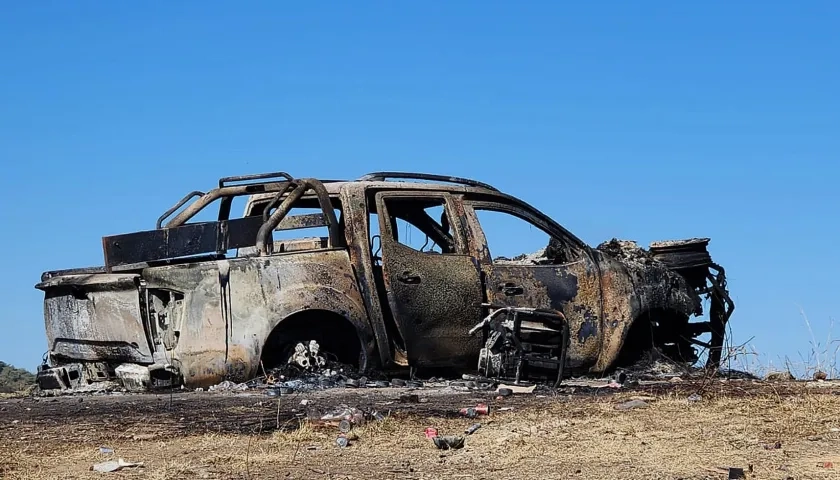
[14, 379]
[771, 431]
[818, 358]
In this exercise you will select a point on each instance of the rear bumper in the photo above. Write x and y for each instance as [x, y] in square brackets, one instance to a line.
[71, 376]
[98, 376]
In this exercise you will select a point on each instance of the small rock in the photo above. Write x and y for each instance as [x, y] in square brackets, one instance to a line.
[114, 466]
[779, 377]
[410, 398]
[694, 397]
[632, 404]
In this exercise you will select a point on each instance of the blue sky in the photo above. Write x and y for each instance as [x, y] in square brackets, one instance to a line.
[653, 121]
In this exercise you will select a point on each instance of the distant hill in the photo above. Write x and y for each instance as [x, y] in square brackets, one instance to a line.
[14, 379]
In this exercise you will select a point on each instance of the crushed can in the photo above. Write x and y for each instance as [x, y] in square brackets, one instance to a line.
[472, 412]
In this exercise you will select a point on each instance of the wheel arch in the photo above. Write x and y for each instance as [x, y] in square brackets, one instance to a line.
[647, 330]
[337, 332]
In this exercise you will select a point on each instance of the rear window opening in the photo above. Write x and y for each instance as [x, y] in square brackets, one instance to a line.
[304, 228]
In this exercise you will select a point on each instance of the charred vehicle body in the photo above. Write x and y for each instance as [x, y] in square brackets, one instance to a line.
[197, 302]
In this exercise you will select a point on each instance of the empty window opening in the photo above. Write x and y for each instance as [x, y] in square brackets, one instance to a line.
[421, 224]
[511, 238]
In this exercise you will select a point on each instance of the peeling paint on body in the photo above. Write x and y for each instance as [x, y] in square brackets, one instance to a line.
[176, 300]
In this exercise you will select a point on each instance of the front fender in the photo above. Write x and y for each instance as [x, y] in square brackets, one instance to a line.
[304, 298]
[629, 290]
[235, 306]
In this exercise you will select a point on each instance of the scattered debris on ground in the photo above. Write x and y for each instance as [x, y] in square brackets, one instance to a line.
[631, 405]
[114, 466]
[768, 430]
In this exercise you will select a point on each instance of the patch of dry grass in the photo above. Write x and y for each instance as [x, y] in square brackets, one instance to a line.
[557, 438]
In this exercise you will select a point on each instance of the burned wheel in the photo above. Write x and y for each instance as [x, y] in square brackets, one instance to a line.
[336, 339]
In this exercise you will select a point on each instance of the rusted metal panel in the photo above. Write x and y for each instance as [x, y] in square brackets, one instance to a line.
[435, 298]
[572, 289]
[95, 318]
[295, 222]
[183, 241]
[223, 334]
[359, 249]
[633, 287]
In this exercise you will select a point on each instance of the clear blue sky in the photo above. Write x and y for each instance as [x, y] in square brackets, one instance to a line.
[668, 120]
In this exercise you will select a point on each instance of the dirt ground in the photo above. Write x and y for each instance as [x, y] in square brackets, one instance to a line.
[771, 430]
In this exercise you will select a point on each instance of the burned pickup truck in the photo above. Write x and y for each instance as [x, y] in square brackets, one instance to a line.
[195, 302]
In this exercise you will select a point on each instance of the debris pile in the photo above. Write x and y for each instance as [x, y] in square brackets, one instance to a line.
[307, 356]
[228, 386]
[626, 250]
[539, 257]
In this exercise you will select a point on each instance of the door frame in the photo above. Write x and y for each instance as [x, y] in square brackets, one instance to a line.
[460, 249]
[461, 243]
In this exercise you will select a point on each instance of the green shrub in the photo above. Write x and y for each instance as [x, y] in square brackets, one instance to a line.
[14, 379]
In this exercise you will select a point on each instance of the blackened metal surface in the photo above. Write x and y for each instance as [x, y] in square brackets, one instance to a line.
[224, 181]
[181, 203]
[357, 212]
[573, 289]
[183, 241]
[435, 300]
[231, 307]
[95, 318]
[380, 176]
[636, 288]
[294, 222]
[263, 240]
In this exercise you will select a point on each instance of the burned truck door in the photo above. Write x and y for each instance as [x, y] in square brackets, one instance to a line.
[563, 277]
[433, 287]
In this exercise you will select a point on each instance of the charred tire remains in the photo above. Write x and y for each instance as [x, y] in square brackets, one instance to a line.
[335, 334]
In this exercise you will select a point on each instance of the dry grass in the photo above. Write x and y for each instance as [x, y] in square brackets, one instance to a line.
[578, 438]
